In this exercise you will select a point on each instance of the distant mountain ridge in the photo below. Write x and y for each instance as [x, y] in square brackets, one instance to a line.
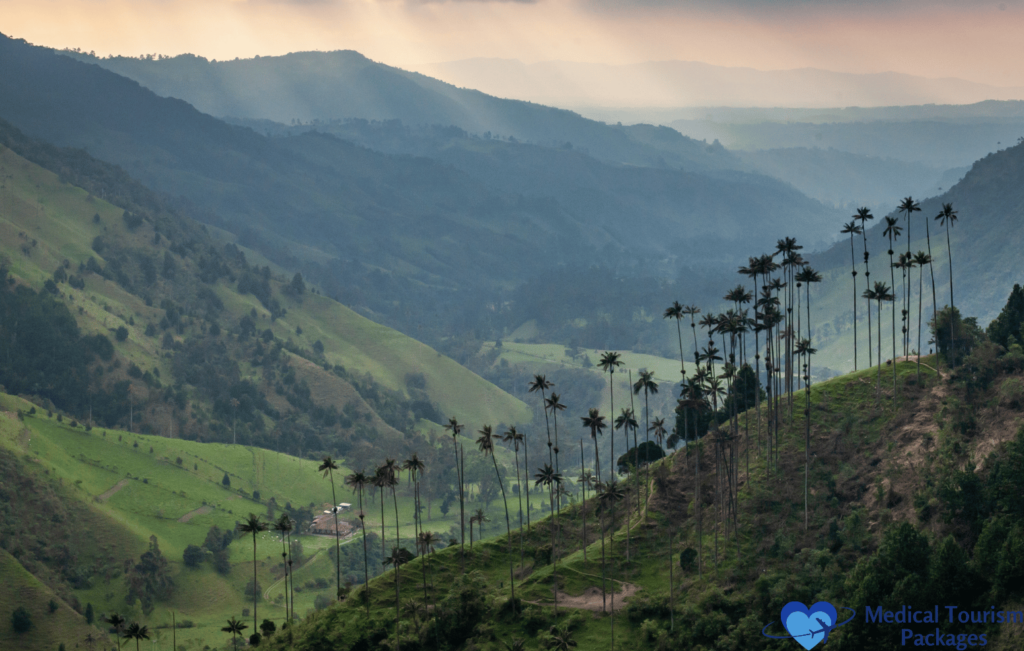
[691, 83]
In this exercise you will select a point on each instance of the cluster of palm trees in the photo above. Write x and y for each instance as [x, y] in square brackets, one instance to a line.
[710, 396]
[125, 630]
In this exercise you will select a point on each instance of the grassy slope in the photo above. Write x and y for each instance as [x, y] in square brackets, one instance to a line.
[159, 492]
[853, 429]
[36, 207]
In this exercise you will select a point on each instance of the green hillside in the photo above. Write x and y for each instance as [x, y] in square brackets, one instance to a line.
[46, 223]
[889, 524]
[124, 488]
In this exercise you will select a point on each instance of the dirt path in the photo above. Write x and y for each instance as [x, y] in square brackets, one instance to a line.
[191, 514]
[113, 489]
[591, 598]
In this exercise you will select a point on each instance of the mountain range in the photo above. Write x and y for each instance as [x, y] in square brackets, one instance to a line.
[657, 84]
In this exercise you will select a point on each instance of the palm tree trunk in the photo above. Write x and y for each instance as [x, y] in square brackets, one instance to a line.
[383, 550]
[508, 530]
[878, 386]
[611, 393]
[952, 319]
[920, 298]
[604, 587]
[284, 558]
[462, 508]
[337, 538]
[255, 588]
[697, 506]
[547, 425]
[398, 601]
[366, 561]
[526, 461]
[931, 270]
[519, 486]
[584, 504]
[461, 461]
[853, 266]
[554, 556]
[867, 284]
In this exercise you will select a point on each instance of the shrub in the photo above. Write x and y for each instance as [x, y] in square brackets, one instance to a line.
[21, 620]
[193, 556]
[121, 334]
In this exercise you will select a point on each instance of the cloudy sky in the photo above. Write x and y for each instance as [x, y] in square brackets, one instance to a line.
[973, 40]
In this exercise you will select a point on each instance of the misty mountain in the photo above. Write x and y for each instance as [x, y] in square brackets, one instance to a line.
[308, 87]
[689, 83]
[413, 242]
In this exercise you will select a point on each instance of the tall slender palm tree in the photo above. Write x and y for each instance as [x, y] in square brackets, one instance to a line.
[359, 481]
[805, 349]
[625, 421]
[675, 311]
[415, 467]
[514, 437]
[908, 207]
[485, 443]
[380, 483]
[609, 362]
[397, 559]
[881, 293]
[646, 384]
[553, 403]
[392, 469]
[454, 427]
[864, 216]
[426, 542]
[947, 217]
[920, 259]
[283, 525]
[853, 229]
[595, 422]
[234, 627]
[117, 623]
[585, 479]
[540, 383]
[892, 231]
[253, 525]
[327, 467]
[550, 479]
[610, 495]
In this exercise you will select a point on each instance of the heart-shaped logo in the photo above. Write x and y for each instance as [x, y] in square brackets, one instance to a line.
[809, 626]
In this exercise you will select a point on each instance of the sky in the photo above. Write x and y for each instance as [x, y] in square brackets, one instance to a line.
[973, 40]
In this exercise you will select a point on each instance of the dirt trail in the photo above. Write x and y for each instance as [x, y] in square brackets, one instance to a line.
[191, 514]
[113, 489]
[591, 598]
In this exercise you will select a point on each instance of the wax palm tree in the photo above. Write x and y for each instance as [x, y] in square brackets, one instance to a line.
[805, 350]
[908, 207]
[646, 384]
[610, 495]
[254, 525]
[481, 518]
[550, 479]
[234, 627]
[553, 403]
[561, 638]
[920, 259]
[585, 480]
[905, 264]
[360, 481]
[892, 231]
[426, 542]
[540, 383]
[397, 559]
[675, 311]
[283, 526]
[947, 217]
[116, 622]
[864, 216]
[414, 466]
[880, 294]
[853, 229]
[454, 427]
[513, 437]
[137, 633]
[485, 443]
[327, 467]
[609, 362]
[595, 422]
[381, 482]
[626, 421]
